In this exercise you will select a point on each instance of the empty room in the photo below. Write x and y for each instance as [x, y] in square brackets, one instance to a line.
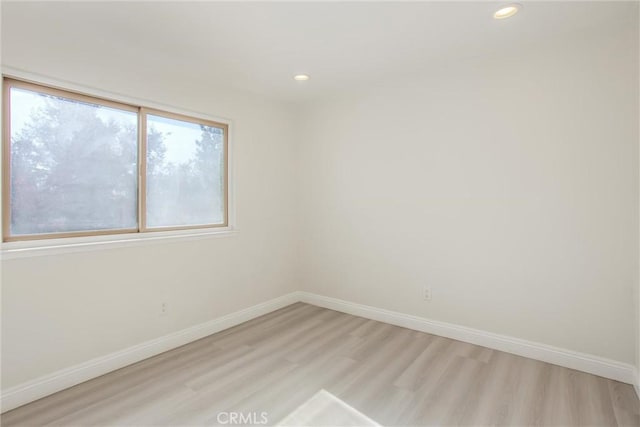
[320, 213]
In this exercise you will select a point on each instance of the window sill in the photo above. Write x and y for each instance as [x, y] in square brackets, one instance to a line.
[33, 248]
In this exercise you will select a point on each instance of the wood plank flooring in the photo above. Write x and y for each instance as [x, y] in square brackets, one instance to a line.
[285, 360]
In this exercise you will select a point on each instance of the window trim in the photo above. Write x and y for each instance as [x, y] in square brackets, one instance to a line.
[120, 236]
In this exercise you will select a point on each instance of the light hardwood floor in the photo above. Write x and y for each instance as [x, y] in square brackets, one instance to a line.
[393, 376]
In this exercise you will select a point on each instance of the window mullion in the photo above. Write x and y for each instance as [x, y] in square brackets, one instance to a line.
[142, 170]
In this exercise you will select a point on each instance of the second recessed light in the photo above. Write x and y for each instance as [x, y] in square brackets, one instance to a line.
[301, 77]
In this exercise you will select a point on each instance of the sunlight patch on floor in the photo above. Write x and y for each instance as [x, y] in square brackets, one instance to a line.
[325, 409]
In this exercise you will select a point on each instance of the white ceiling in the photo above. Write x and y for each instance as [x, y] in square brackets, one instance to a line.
[258, 47]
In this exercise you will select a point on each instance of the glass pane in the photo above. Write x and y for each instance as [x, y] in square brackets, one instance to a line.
[185, 173]
[73, 165]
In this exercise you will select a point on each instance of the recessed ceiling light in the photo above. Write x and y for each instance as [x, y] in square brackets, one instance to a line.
[301, 77]
[507, 11]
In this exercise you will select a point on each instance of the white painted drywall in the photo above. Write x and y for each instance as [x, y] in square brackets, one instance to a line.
[506, 183]
[58, 311]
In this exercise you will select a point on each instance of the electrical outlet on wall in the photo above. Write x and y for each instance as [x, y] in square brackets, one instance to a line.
[426, 293]
[163, 308]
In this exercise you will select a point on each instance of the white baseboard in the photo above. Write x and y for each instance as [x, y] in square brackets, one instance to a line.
[65, 378]
[558, 356]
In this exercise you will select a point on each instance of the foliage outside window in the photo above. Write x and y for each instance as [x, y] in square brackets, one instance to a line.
[75, 165]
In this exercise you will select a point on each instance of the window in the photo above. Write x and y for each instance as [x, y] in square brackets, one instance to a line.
[75, 165]
[184, 170]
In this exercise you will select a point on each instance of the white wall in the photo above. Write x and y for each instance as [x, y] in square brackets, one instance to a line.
[507, 184]
[58, 311]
